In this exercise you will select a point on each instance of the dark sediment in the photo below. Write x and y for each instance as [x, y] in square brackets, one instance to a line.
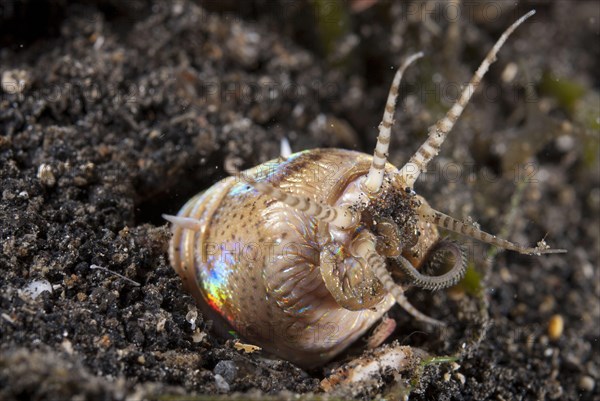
[123, 110]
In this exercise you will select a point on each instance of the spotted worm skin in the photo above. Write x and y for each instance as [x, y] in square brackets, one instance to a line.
[254, 265]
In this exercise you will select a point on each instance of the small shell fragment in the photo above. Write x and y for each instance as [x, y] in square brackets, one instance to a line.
[35, 288]
[370, 368]
[247, 348]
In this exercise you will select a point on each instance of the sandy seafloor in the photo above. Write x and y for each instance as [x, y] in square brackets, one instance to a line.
[112, 113]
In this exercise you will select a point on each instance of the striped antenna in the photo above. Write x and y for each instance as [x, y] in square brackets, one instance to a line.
[434, 283]
[374, 179]
[450, 223]
[439, 131]
[363, 246]
[338, 216]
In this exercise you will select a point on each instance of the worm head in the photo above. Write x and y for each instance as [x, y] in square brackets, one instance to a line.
[354, 260]
[392, 219]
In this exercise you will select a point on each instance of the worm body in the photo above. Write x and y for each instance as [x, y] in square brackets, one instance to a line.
[300, 255]
[256, 262]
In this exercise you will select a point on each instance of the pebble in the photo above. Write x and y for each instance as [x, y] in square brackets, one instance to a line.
[587, 383]
[556, 326]
[198, 335]
[67, 346]
[547, 305]
[15, 81]
[221, 383]
[160, 325]
[226, 369]
[45, 175]
[510, 72]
